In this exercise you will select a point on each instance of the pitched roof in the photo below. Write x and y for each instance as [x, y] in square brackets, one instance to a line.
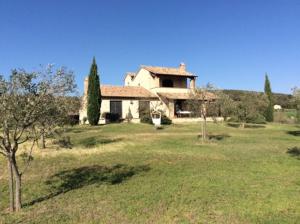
[131, 74]
[126, 91]
[167, 71]
[185, 96]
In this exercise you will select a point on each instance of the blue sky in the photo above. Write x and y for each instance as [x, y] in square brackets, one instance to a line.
[229, 43]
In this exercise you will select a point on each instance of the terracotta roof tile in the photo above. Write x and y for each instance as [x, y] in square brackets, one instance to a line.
[126, 91]
[167, 71]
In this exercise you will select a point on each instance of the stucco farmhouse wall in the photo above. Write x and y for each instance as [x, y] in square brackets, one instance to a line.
[126, 104]
[143, 78]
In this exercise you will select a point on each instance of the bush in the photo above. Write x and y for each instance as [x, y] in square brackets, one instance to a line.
[111, 117]
[165, 120]
[73, 120]
[63, 142]
[256, 119]
[146, 119]
[283, 117]
[129, 116]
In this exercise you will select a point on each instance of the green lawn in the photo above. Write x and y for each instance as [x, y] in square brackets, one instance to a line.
[127, 173]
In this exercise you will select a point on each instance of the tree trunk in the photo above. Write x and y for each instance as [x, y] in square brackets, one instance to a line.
[204, 129]
[17, 176]
[11, 186]
[18, 202]
[43, 142]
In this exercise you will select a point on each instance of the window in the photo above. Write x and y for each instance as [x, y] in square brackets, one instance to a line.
[167, 83]
[116, 107]
[144, 108]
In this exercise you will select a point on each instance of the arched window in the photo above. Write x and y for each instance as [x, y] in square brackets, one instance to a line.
[167, 83]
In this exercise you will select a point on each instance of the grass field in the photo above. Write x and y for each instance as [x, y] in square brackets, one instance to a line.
[131, 173]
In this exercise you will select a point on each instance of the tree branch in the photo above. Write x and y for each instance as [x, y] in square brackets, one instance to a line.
[29, 158]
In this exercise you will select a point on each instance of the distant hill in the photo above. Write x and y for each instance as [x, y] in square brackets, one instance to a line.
[285, 100]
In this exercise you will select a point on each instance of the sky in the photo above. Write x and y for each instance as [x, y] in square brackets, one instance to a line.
[229, 43]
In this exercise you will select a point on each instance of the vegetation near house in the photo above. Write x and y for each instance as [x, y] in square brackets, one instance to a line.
[29, 103]
[296, 94]
[269, 114]
[285, 100]
[200, 98]
[250, 109]
[129, 116]
[93, 95]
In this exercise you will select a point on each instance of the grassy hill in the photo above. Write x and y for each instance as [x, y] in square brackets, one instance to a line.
[127, 173]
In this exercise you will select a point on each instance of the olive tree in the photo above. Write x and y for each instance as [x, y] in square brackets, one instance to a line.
[57, 114]
[296, 99]
[25, 98]
[222, 106]
[250, 108]
[198, 103]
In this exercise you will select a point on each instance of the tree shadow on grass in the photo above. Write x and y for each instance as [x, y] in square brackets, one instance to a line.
[72, 179]
[295, 133]
[93, 141]
[238, 125]
[213, 137]
[295, 152]
[218, 137]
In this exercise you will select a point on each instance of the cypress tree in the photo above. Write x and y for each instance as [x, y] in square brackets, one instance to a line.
[270, 109]
[93, 95]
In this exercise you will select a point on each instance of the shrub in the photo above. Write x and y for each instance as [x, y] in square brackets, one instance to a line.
[111, 117]
[63, 142]
[165, 120]
[72, 120]
[146, 118]
[256, 119]
[283, 117]
[129, 116]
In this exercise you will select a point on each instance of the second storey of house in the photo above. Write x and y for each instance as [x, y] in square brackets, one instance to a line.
[169, 78]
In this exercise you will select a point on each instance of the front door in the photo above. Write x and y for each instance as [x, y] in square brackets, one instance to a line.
[116, 108]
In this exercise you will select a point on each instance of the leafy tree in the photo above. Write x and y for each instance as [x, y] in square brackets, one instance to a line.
[250, 108]
[269, 114]
[93, 95]
[296, 95]
[223, 106]
[24, 98]
[56, 115]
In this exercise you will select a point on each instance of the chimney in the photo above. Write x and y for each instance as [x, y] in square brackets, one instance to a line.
[182, 67]
[86, 83]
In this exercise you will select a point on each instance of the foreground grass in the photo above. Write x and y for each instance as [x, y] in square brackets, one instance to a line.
[126, 173]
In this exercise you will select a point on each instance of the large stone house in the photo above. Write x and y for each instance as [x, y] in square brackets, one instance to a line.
[162, 88]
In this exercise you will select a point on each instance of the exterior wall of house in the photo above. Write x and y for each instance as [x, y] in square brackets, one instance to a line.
[105, 108]
[128, 81]
[178, 82]
[133, 105]
[144, 79]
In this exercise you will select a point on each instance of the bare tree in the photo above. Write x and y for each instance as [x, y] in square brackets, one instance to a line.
[24, 99]
[199, 99]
